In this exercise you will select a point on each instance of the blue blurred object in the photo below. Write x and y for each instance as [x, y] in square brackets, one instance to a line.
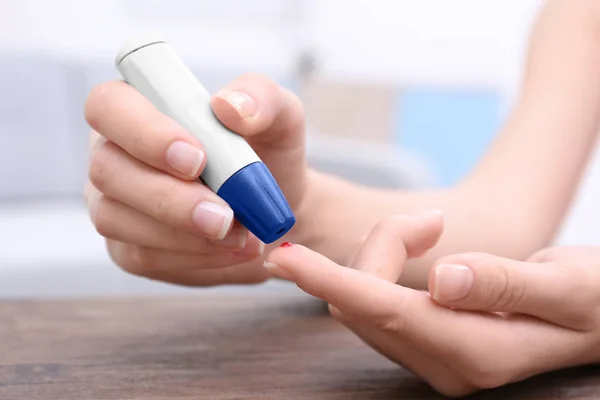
[254, 196]
[452, 127]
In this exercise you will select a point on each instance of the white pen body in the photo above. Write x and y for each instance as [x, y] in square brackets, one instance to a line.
[157, 72]
[233, 170]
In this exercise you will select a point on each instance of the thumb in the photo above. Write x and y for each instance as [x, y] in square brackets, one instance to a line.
[271, 119]
[477, 281]
[484, 282]
[395, 239]
[266, 114]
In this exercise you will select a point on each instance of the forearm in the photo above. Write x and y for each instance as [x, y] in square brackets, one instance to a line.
[514, 201]
[341, 215]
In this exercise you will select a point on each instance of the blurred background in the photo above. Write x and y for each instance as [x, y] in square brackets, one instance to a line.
[398, 93]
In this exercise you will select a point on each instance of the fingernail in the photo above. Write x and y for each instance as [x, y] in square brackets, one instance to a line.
[244, 104]
[184, 158]
[253, 248]
[452, 282]
[235, 239]
[270, 266]
[213, 219]
[278, 272]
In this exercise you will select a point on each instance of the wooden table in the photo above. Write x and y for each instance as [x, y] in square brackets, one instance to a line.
[212, 347]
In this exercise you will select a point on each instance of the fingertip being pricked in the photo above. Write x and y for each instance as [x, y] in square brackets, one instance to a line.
[278, 272]
[279, 260]
[303, 266]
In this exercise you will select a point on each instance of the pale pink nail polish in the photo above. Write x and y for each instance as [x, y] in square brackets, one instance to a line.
[235, 239]
[452, 282]
[275, 270]
[213, 219]
[244, 104]
[253, 248]
[184, 158]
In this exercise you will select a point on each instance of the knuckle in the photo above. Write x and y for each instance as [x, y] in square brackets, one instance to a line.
[137, 136]
[133, 259]
[391, 225]
[390, 320]
[139, 261]
[390, 324]
[102, 216]
[149, 133]
[509, 292]
[166, 199]
[100, 170]
[174, 236]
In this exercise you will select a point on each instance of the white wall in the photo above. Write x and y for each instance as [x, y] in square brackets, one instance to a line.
[455, 43]
[259, 35]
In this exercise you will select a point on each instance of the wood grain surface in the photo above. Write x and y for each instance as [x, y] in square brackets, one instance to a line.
[212, 347]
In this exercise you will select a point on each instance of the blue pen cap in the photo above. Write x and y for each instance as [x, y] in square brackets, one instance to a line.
[257, 202]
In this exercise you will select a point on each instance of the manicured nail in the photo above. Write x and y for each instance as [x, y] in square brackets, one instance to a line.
[213, 219]
[253, 248]
[235, 239]
[270, 266]
[243, 104]
[452, 282]
[274, 269]
[184, 158]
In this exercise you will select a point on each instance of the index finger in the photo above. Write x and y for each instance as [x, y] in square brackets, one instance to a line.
[395, 239]
[405, 312]
[123, 116]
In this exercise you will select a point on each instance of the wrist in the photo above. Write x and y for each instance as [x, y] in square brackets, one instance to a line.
[327, 218]
[305, 231]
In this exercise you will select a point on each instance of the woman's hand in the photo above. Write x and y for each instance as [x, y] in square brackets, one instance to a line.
[144, 196]
[489, 321]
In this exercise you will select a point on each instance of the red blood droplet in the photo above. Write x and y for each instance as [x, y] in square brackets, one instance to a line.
[286, 244]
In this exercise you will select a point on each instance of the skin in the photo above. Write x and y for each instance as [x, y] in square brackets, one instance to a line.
[144, 208]
[510, 205]
[508, 208]
[517, 319]
[515, 199]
